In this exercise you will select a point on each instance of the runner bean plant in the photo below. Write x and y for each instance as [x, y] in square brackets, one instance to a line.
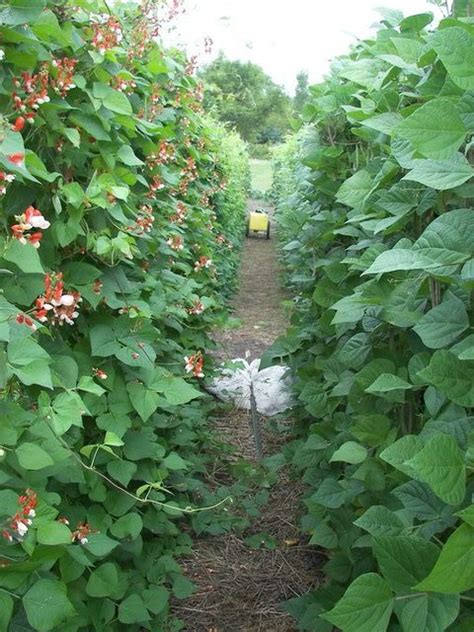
[122, 211]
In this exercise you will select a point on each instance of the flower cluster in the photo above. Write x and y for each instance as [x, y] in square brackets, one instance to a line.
[5, 178]
[19, 523]
[107, 33]
[196, 309]
[202, 262]
[180, 215]
[63, 81]
[79, 535]
[30, 219]
[35, 87]
[144, 221]
[194, 364]
[97, 287]
[124, 85]
[55, 305]
[166, 153]
[175, 242]
[102, 375]
[156, 184]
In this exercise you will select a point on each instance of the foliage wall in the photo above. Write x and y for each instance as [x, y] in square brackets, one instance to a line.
[122, 212]
[376, 219]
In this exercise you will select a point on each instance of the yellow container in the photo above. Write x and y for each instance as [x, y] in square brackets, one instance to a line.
[258, 221]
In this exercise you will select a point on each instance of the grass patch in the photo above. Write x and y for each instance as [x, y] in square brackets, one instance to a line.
[261, 174]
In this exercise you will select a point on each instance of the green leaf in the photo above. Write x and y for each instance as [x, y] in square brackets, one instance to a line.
[32, 457]
[21, 12]
[349, 452]
[143, 399]
[404, 560]
[133, 610]
[91, 124]
[53, 533]
[440, 464]
[429, 259]
[366, 605]
[46, 605]
[156, 599]
[100, 544]
[454, 570]
[126, 155]
[330, 494]
[6, 611]
[441, 174]
[174, 462]
[453, 231]
[379, 520]
[444, 323]
[122, 471]
[451, 376]
[387, 382]
[430, 613]
[435, 129]
[72, 135]
[117, 102]
[455, 48]
[25, 256]
[399, 453]
[128, 526]
[355, 189]
[103, 581]
[467, 515]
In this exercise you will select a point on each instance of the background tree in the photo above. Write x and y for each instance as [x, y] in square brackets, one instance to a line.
[243, 95]
[301, 92]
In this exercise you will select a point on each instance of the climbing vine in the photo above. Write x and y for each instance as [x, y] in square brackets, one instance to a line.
[377, 236]
[122, 211]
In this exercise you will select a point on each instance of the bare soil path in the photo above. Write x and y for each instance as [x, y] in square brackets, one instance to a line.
[238, 588]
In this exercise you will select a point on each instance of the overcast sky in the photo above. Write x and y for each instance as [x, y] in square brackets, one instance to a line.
[285, 36]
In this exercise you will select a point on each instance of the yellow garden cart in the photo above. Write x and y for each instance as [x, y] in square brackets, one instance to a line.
[258, 222]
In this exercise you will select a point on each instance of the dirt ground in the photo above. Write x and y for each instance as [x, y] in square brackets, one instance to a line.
[240, 589]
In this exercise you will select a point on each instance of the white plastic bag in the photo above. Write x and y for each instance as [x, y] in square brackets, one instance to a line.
[271, 387]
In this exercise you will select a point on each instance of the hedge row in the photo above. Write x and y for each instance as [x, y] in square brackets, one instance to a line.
[122, 211]
[377, 226]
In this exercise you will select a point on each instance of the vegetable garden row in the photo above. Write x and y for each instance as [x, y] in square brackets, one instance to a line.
[374, 197]
[122, 212]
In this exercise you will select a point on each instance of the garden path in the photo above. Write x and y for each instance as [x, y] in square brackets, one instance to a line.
[238, 588]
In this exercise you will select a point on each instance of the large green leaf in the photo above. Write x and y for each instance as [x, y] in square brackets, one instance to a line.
[366, 605]
[46, 604]
[25, 256]
[453, 231]
[103, 581]
[453, 377]
[444, 323]
[349, 452]
[435, 129]
[32, 457]
[144, 400]
[454, 570]
[355, 189]
[379, 520]
[441, 174]
[133, 610]
[427, 612]
[435, 260]
[440, 464]
[404, 560]
[455, 48]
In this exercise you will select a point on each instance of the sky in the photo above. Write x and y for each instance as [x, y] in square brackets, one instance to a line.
[284, 36]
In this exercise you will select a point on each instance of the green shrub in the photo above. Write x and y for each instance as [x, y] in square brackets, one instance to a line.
[378, 232]
[138, 210]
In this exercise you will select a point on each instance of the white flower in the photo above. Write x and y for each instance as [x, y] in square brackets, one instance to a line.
[83, 541]
[67, 300]
[22, 529]
[2, 54]
[38, 221]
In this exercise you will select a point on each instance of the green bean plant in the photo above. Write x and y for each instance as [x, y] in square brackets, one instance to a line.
[377, 233]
